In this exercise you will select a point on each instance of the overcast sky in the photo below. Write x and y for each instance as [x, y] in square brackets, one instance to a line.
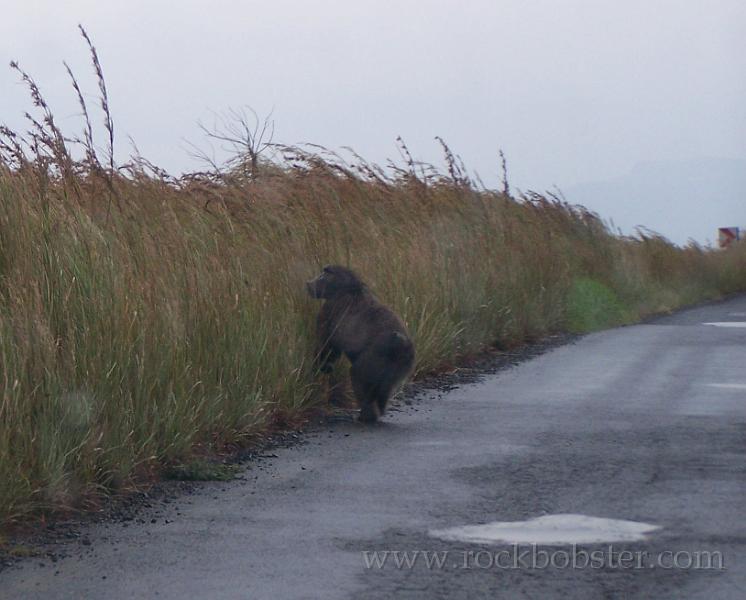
[571, 90]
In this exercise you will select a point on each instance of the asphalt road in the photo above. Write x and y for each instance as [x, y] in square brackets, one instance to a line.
[644, 423]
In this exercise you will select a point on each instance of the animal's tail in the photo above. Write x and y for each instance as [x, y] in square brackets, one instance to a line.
[399, 347]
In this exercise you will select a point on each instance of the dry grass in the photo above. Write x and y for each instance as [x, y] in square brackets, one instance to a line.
[142, 316]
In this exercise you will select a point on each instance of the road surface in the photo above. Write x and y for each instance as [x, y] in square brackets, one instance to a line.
[643, 424]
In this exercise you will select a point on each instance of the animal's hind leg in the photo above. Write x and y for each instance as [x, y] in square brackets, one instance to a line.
[388, 388]
[381, 402]
[369, 409]
[368, 413]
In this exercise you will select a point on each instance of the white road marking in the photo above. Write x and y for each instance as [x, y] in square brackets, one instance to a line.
[432, 443]
[728, 386]
[550, 530]
[727, 324]
[737, 314]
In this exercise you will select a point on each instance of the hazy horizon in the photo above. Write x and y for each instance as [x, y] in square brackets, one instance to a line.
[651, 194]
[573, 92]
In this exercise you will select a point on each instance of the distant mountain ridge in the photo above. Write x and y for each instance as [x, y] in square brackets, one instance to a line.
[683, 199]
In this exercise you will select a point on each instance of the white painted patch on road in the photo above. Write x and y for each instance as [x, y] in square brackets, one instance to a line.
[737, 324]
[728, 386]
[550, 530]
[737, 314]
[430, 443]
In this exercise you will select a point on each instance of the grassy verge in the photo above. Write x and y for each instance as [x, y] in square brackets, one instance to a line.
[142, 316]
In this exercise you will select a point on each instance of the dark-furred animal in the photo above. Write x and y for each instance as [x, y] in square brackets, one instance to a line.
[374, 339]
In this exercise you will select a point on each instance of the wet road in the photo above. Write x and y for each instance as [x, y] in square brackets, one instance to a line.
[644, 424]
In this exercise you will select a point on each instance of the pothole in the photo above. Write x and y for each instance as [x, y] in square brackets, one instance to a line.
[550, 530]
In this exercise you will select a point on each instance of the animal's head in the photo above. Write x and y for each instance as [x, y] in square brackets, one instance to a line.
[334, 281]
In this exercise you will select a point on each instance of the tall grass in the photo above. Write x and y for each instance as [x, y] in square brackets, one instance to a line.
[143, 316]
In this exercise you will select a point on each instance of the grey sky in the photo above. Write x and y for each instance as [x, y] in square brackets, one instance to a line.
[571, 90]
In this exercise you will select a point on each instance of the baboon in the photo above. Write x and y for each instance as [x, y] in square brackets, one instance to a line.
[374, 339]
